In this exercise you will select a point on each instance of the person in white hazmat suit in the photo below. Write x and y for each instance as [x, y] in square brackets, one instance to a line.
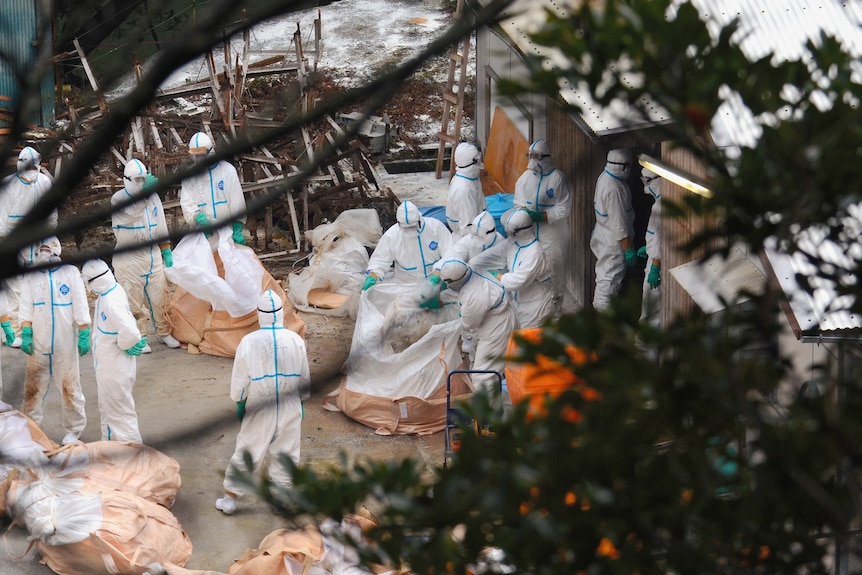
[413, 245]
[483, 247]
[529, 277]
[546, 193]
[465, 198]
[651, 299]
[19, 193]
[487, 319]
[55, 329]
[269, 382]
[116, 343]
[214, 196]
[141, 272]
[612, 240]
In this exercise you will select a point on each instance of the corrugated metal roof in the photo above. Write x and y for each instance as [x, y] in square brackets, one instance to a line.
[779, 26]
[782, 27]
[526, 17]
[822, 310]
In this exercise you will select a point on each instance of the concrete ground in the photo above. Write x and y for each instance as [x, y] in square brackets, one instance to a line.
[185, 411]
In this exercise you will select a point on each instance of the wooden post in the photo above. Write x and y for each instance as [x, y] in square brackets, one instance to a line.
[100, 97]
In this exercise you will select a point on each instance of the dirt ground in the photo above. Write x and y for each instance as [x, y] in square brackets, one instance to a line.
[185, 411]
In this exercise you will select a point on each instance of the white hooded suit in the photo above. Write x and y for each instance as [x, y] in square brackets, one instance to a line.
[615, 219]
[529, 277]
[487, 320]
[54, 302]
[141, 272]
[114, 331]
[413, 245]
[271, 374]
[217, 193]
[19, 193]
[651, 299]
[465, 199]
[543, 188]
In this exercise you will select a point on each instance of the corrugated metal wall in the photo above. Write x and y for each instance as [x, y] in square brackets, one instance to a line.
[18, 32]
[582, 160]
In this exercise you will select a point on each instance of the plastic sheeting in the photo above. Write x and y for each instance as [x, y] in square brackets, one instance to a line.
[330, 284]
[195, 271]
[395, 390]
[216, 332]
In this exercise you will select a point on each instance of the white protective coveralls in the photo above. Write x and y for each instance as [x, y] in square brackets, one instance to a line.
[547, 191]
[54, 303]
[529, 278]
[19, 192]
[614, 226]
[271, 375]
[141, 272]
[413, 245]
[216, 193]
[465, 198]
[483, 247]
[114, 332]
[487, 320]
[651, 299]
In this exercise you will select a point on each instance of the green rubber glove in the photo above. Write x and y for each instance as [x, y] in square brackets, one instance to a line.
[10, 333]
[150, 182]
[433, 303]
[84, 341]
[238, 238]
[27, 340]
[240, 410]
[201, 219]
[642, 252]
[168, 256]
[654, 276]
[536, 216]
[631, 257]
[369, 281]
[435, 279]
[138, 348]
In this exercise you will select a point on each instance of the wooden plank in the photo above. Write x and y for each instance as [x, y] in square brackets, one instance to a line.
[100, 97]
[138, 134]
[157, 139]
[506, 152]
[176, 136]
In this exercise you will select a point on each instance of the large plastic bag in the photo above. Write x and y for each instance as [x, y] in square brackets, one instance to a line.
[80, 528]
[119, 466]
[23, 445]
[331, 282]
[395, 390]
[195, 271]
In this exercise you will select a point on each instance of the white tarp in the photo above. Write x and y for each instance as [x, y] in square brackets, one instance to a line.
[195, 271]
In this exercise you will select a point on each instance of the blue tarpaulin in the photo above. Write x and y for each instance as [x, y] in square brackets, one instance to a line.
[498, 204]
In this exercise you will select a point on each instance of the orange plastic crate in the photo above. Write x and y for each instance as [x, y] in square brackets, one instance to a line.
[543, 377]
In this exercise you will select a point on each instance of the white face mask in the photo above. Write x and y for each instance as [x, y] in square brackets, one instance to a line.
[135, 184]
[410, 232]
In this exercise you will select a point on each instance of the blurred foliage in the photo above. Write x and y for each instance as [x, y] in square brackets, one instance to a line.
[685, 463]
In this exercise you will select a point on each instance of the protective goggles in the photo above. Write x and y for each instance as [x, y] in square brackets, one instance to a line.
[136, 179]
[646, 180]
[625, 165]
[537, 156]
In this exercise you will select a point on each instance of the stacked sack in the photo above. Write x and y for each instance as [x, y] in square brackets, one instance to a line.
[91, 509]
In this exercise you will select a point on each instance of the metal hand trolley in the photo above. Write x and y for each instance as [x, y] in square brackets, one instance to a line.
[457, 420]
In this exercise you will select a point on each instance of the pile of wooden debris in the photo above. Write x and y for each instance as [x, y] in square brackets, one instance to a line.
[223, 106]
